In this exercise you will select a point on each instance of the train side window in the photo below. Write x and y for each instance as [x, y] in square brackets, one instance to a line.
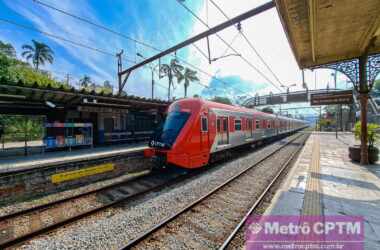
[204, 124]
[237, 125]
[218, 125]
[268, 124]
[257, 124]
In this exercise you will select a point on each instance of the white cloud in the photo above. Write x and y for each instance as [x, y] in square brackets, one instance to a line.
[264, 31]
[60, 25]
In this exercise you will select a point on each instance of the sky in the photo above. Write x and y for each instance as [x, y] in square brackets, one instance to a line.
[162, 24]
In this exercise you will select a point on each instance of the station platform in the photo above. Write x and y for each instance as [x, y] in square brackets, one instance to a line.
[24, 163]
[324, 181]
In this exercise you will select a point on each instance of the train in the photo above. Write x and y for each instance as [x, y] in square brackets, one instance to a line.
[197, 132]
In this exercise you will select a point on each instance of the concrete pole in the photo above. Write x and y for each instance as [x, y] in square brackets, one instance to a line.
[341, 117]
[363, 96]
[320, 118]
[336, 120]
[152, 83]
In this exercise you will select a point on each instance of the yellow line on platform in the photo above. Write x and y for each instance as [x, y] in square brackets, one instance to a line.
[312, 204]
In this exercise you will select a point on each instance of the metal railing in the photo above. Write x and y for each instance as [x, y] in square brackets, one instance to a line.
[21, 135]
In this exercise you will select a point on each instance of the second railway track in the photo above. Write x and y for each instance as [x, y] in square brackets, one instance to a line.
[26, 224]
[214, 219]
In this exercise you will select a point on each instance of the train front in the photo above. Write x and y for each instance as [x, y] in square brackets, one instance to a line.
[169, 141]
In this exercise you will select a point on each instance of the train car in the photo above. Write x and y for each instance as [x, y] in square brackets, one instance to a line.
[197, 131]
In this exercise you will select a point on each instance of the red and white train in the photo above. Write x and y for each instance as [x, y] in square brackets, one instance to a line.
[197, 131]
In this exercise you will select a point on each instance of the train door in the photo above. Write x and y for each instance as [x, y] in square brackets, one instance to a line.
[249, 128]
[222, 130]
[204, 132]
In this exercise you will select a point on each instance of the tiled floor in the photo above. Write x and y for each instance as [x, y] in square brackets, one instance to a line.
[347, 188]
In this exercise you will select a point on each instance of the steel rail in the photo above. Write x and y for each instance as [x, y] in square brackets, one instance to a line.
[17, 240]
[260, 199]
[150, 231]
[29, 235]
[59, 201]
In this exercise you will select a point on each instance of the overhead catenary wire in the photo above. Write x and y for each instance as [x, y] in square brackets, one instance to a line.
[249, 43]
[79, 44]
[95, 24]
[136, 41]
[227, 44]
[96, 49]
[55, 36]
[232, 41]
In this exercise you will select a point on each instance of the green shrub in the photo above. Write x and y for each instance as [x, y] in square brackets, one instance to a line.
[15, 70]
[371, 132]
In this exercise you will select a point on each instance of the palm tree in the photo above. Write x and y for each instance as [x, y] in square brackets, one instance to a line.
[188, 77]
[38, 52]
[171, 70]
[7, 49]
[85, 82]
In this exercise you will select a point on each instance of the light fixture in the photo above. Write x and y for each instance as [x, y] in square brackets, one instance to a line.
[50, 104]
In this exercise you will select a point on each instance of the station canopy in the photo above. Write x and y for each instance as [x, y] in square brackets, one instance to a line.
[20, 98]
[327, 31]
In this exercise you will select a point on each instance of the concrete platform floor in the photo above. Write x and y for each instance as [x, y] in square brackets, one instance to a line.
[53, 158]
[325, 182]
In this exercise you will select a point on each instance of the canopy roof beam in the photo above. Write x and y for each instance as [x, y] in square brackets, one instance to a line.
[203, 35]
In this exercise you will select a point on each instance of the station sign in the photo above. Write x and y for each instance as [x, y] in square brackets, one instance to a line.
[330, 98]
[101, 109]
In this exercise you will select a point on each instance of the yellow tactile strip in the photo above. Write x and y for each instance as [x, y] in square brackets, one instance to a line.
[312, 203]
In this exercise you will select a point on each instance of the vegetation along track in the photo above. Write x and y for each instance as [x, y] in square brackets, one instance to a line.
[23, 225]
[213, 220]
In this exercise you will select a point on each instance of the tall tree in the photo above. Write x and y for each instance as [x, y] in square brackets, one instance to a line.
[7, 49]
[188, 76]
[221, 99]
[267, 110]
[107, 87]
[376, 86]
[85, 82]
[38, 52]
[170, 71]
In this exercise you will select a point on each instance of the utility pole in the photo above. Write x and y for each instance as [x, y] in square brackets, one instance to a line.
[68, 79]
[121, 82]
[341, 117]
[320, 118]
[119, 68]
[336, 120]
[363, 97]
[152, 82]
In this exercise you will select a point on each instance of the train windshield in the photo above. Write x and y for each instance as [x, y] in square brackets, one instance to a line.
[172, 126]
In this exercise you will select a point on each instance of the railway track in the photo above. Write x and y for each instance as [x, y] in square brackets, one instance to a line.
[212, 221]
[26, 224]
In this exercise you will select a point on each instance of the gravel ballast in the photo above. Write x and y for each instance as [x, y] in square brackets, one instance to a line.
[112, 228]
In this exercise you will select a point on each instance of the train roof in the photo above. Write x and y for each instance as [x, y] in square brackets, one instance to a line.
[218, 105]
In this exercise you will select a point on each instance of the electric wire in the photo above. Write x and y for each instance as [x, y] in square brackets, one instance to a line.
[232, 41]
[56, 37]
[95, 24]
[249, 43]
[232, 48]
[130, 38]
[106, 28]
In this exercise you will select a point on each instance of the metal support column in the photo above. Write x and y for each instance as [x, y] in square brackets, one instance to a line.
[363, 96]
